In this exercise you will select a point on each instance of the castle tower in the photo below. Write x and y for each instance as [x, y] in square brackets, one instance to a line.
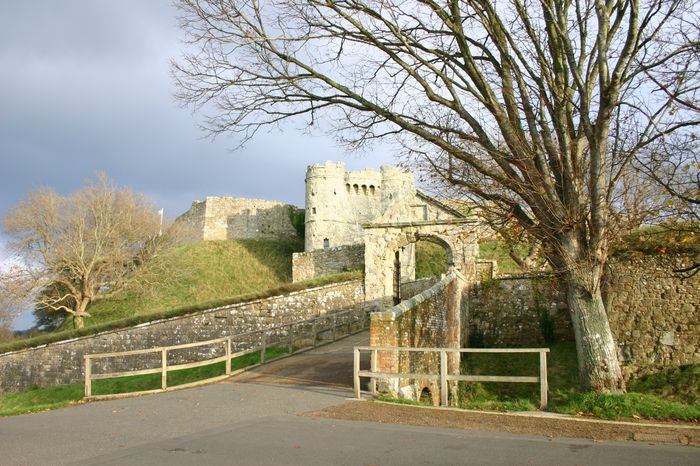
[338, 203]
[326, 198]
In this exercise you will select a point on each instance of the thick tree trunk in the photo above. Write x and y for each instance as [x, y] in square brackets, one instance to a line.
[599, 368]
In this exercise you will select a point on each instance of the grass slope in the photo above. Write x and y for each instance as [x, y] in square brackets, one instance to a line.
[197, 272]
[189, 279]
[431, 258]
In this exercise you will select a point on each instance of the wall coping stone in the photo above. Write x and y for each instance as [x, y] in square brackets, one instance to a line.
[419, 223]
[405, 306]
[183, 316]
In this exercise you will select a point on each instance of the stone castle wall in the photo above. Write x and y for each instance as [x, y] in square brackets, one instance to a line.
[307, 265]
[222, 218]
[654, 315]
[62, 362]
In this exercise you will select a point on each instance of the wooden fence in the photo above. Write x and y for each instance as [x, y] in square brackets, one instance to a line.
[296, 336]
[443, 376]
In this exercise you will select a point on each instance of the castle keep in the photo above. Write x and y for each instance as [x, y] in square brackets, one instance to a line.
[341, 204]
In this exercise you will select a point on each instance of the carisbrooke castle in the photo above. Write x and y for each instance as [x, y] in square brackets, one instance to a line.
[339, 205]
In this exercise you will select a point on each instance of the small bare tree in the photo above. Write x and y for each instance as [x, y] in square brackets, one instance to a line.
[75, 249]
[536, 106]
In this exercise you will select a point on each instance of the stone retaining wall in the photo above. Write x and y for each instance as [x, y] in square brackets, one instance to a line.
[308, 265]
[654, 315]
[62, 362]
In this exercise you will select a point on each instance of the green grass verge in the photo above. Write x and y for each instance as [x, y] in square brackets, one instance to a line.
[43, 399]
[175, 312]
[659, 396]
[634, 405]
[668, 395]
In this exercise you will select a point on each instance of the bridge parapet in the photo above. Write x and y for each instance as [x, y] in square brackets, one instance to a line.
[429, 319]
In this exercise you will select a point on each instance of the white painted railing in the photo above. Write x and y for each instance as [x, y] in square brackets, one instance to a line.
[443, 376]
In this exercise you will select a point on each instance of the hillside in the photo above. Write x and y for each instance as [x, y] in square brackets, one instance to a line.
[198, 272]
[431, 258]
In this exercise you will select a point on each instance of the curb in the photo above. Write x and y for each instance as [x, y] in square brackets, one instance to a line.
[676, 434]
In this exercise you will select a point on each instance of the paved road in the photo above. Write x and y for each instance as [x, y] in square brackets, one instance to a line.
[259, 423]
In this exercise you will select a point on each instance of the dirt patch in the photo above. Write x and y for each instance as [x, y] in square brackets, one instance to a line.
[499, 422]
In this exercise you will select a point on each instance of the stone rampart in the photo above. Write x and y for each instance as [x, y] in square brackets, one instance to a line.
[307, 265]
[62, 362]
[654, 315]
[221, 218]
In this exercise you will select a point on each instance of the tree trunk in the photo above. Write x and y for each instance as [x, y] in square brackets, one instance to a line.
[80, 313]
[78, 321]
[599, 368]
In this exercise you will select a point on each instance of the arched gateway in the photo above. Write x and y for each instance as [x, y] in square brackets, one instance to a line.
[431, 319]
[388, 245]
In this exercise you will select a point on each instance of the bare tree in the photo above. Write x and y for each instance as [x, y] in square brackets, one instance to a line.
[77, 248]
[536, 106]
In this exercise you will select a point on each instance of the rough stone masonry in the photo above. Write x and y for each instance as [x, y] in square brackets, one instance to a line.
[62, 362]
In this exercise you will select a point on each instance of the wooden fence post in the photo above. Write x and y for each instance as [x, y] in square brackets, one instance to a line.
[88, 376]
[543, 380]
[314, 330]
[263, 345]
[443, 378]
[228, 356]
[164, 369]
[290, 345]
[373, 368]
[334, 323]
[356, 372]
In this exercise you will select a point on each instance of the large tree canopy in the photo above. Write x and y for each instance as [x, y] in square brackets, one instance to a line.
[536, 106]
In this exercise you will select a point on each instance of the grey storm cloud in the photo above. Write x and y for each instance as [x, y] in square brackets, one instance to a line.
[85, 87]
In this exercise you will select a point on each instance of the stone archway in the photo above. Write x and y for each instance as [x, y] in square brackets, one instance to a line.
[430, 319]
[382, 241]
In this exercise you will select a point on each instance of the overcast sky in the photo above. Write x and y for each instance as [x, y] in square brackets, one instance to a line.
[85, 87]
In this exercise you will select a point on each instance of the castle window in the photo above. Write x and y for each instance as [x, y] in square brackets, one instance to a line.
[313, 210]
[364, 189]
[356, 188]
[326, 243]
[371, 189]
[313, 193]
[347, 186]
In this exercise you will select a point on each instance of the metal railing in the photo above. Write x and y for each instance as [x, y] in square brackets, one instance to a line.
[294, 336]
[443, 377]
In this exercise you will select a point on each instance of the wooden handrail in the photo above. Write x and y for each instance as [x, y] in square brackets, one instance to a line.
[228, 354]
[443, 377]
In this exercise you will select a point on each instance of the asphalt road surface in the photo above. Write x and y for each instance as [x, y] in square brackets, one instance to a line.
[255, 420]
